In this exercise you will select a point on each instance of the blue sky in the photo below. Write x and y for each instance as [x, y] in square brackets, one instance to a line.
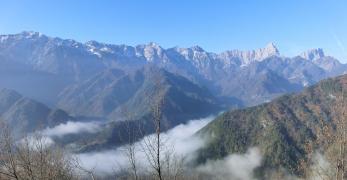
[293, 25]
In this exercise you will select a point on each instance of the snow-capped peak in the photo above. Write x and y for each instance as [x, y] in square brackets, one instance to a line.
[313, 54]
[197, 48]
[248, 57]
[270, 49]
[95, 44]
[153, 45]
[151, 51]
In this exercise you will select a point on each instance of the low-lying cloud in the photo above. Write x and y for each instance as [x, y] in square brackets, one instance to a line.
[234, 166]
[46, 136]
[180, 138]
[321, 168]
[72, 128]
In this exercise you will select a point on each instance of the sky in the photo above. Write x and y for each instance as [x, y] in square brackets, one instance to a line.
[215, 25]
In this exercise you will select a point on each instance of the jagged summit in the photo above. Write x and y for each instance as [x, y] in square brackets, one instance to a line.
[22, 36]
[197, 48]
[313, 54]
[31, 33]
[254, 55]
[250, 75]
[271, 48]
[92, 43]
[153, 44]
[151, 52]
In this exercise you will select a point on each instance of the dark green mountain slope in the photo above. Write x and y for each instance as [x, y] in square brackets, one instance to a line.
[287, 130]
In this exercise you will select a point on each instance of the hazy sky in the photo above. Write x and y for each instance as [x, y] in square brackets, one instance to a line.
[293, 25]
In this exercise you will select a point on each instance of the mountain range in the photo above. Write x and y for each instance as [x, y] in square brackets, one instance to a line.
[57, 63]
[47, 81]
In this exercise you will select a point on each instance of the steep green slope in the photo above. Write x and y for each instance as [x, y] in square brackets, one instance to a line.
[283, 129]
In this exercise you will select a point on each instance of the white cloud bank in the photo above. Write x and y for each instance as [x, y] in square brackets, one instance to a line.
[234, 166]
[71, 128]
[180, 138]
[45, 137]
